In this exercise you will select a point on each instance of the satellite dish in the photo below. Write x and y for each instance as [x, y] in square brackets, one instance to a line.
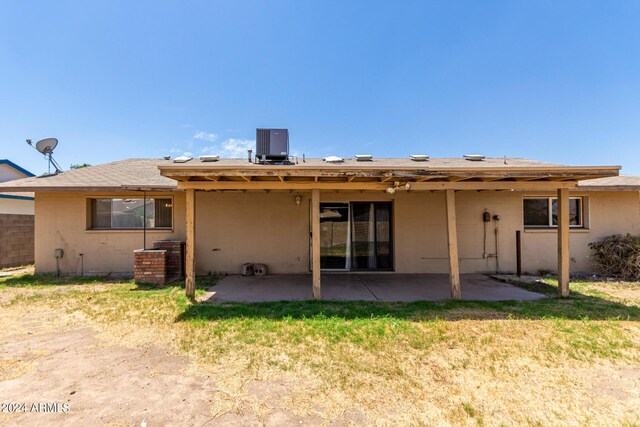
[47, 145]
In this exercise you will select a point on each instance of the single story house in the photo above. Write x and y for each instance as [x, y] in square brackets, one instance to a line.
[403, 215]
[16, 219]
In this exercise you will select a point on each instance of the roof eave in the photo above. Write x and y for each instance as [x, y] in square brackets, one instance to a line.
[566, 172]
[608, 188]
[96, 189]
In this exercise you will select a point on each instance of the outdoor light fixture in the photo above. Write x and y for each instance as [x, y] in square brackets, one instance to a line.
[298, 200]
[396, 186]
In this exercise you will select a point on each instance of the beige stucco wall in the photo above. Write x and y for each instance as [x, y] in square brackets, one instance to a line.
[16, 206]
[61, 222]
[233, 228]
[608, 213]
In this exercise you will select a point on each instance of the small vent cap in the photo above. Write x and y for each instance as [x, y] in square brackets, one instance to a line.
[419, 157]
[364, 157]
[474, 157]
[209, 158]
[333, 159]
[181, 159]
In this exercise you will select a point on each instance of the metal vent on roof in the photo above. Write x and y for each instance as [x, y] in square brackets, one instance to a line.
[419, 157]
[333, 159]
[181, 159]
[364, 157]
[474, 157]
[209, 158]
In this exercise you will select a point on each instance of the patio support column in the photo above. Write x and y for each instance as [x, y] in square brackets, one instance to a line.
[563, 242]
[452, 243]
[315, 241]
[190, 261]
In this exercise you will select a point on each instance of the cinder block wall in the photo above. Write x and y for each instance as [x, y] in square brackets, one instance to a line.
[16, 240]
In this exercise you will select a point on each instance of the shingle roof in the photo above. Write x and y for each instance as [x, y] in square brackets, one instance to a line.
[144, 174]
[614, 183]
[134, 173]
[389, 163]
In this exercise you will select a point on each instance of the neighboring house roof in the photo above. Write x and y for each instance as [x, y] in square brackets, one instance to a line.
[144, 174]
[16, 167]
[614, 183]
[14, 175]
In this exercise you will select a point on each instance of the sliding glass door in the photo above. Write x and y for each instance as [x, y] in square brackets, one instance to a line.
[371, 236]
[334, 236]
[356, 236]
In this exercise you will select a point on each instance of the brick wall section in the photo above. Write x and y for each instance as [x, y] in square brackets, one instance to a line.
[149, 266]
[16, 240]
[175, 257]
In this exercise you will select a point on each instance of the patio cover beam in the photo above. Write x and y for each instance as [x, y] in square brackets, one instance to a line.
[396, 172]
[563, 242]
[315, 241]
[452, 243]
[375, 186]
[190, 262]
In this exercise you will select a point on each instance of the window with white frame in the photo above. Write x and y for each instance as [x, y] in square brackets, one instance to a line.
[542, 212]
[131, 213]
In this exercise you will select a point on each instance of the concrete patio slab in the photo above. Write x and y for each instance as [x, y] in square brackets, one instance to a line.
[364, 287]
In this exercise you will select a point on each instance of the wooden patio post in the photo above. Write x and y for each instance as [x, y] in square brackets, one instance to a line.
[452, 242]
[190, 267]
[563, 242]
[315, 241]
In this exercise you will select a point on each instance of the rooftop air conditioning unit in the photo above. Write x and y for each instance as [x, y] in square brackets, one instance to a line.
[272, 144]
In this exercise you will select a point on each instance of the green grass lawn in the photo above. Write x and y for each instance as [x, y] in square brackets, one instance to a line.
[475, 363]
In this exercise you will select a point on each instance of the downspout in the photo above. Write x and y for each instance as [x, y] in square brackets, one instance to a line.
[144, 220]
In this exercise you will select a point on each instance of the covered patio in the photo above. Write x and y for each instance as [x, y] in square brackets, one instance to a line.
[317, 180]
[364, 287]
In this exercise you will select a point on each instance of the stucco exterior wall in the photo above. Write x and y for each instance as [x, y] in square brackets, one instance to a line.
[16, 206]
[233, 228]
[608, 213]
[8, 173]
[61, 222]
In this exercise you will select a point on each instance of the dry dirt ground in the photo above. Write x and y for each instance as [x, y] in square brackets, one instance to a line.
[53, 360]
[490, 372]
[47, 357]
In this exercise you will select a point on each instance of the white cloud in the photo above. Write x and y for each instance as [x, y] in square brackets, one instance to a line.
[187, 154]
[232, 147]
[205, 136]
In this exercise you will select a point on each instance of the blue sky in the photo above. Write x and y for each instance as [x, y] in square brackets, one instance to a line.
[549, 80]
